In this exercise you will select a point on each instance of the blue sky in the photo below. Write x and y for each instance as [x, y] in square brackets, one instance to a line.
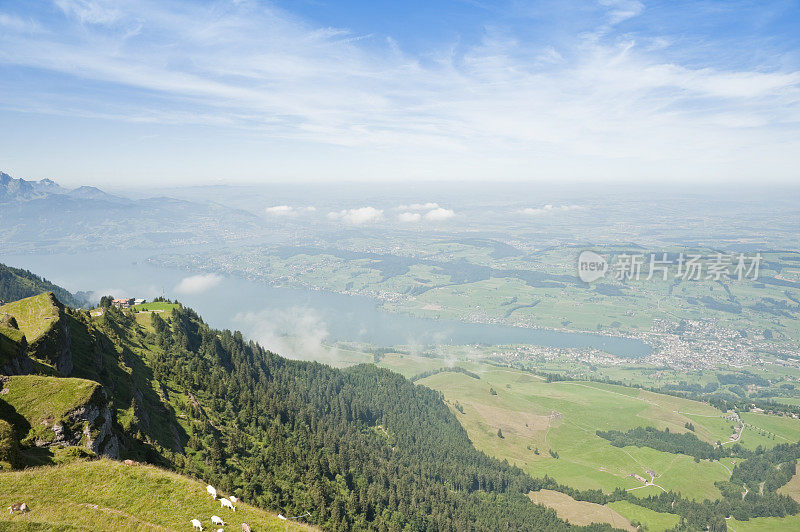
[169, 92]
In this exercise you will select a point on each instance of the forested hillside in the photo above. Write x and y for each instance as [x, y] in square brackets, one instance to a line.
[16, 283]
[359, 448]
[356, 448]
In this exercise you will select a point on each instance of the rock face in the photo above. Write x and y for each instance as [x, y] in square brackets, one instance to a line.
[14, 359]
[87, 426]
[64, 361]
[21, 364]
[55, 346]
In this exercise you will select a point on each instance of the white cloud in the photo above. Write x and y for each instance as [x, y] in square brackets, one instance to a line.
[280, 210]
[287, 210]
[296, 332]
[434, 213]
[536, 211]
[439, 215]
[409, 217]
[197, 284]
[418, 206]
[361, 216]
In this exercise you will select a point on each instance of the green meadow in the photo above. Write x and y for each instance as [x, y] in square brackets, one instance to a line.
[108, 495]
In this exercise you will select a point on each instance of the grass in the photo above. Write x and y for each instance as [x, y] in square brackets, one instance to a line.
[35, 315]
[792, 488]
[108, 495]
[33, 404]
[38, 398]
[580, 512]
[522, 409]
[768, 431]
[765, 524]
[155, 306]
[656, 521]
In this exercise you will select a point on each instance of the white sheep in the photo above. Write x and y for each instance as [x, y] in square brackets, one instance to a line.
[234, 499]
[225, 503]
[282, 518]
[246, 527]
[211, 491]
[197, 524]
[217, 520]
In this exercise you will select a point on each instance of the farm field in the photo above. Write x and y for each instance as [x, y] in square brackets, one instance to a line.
[656, 521]
[563, 417]
[580, 512]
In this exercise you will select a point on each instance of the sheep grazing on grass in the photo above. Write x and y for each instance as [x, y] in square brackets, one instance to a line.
[282, 518]
[225, 503]
[217, 520]
[18, 507]
[234, 499]
[246, 527]
[211, 491]
[129, 463]
[197, 524]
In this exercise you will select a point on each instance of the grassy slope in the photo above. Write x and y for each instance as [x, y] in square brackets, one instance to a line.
[38, 398]
[656, 521]
[35, 315]
[155, 306]
[108, 495]
[580, 512]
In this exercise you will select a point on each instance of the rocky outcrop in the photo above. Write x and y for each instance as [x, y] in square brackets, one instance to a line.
[14, 359]
[19, 363]
[88, 426]
[64, 362]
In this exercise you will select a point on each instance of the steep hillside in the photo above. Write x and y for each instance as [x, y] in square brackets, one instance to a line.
[48, 413]
[361, 448]
[16, 283]
[109, 495]
[44, 322]
[13, 348]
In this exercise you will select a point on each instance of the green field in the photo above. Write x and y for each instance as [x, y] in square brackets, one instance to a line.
[563, 416]
[108, 495]
[656, 521]
[156, 306]
[39, 399]
[34, 315]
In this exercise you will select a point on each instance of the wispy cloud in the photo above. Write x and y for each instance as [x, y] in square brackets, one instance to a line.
[548, 209]
[197, 284]
[605, 100]
[418, 206]
[295, 332]
[288, 210]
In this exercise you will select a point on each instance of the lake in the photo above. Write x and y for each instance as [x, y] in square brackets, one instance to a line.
[270, 314]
